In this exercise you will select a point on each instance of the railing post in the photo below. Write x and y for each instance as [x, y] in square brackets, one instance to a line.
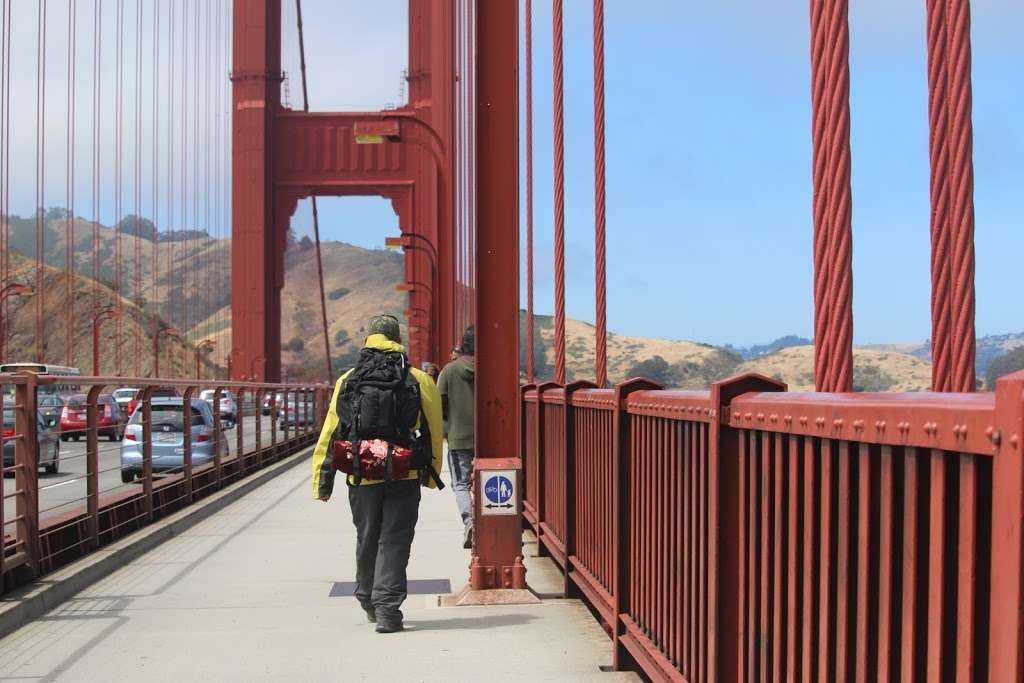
[524, 455]
[92, 465]
[542, 469]
[622, 660]
[258, 430]
[147, 451]
[1006, 648]
[186, 416]
[217, 433]
[570, 483]
[26, 454]
[725, 641]
[239, 427]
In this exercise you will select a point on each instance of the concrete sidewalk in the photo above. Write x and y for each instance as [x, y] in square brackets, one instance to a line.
[244, 596]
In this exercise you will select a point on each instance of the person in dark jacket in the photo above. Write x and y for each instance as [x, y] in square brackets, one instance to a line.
[457, 399]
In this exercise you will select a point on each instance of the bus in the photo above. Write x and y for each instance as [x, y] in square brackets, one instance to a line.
[61, 389]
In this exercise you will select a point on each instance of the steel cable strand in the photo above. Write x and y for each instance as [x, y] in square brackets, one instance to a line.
[40, 285]
[559, 179]
[961, 194]
[840, 371]
[531, 369]
[118, 196]
[5, 156]
[69, 233]
[821, 182]
[153, 303]
[137, 329]
[316, 215]
[938, 114]
[600, 324]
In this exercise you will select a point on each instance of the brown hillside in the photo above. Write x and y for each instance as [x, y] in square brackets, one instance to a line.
[177, 357]
[874, 370]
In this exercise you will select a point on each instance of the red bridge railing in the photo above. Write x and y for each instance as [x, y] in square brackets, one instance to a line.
[747, 533]
[98, 504]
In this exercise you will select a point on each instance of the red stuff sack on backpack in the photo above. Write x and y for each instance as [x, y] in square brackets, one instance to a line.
[378, 459]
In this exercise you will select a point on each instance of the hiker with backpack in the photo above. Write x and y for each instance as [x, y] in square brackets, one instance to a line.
[456, 385]
[383, 431]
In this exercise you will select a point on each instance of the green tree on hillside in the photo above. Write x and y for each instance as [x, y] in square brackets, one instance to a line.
[655, 368]
[1011, 361]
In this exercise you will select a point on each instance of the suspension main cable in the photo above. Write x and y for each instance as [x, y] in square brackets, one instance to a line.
[316, 217]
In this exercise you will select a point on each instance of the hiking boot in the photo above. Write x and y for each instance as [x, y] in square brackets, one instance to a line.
[371, 615]
[390, 627]
[467, 539]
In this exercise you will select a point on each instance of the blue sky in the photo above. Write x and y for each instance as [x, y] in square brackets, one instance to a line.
[708, 108]
[709, 210]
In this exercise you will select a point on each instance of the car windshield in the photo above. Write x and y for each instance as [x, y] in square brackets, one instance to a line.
[124, 393]
[77, 402]
[169, 417]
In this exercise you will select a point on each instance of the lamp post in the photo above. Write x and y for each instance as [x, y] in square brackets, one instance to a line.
[205, 344]
[106, 313]
[412, 240]
[252, 371]
[164, 329]
[12, 289]
[231, 362]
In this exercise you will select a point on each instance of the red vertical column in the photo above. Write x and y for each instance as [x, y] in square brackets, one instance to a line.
[559, 176]
[498, 542]
[255, 300]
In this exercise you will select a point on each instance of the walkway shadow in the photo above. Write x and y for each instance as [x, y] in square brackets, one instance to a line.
[483, 621]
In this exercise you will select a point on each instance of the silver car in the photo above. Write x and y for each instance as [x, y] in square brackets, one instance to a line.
[169, 438]
[293, 412]
[228, 404]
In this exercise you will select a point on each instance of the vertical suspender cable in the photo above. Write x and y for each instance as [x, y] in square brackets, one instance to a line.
[136, 328]
[118, 180]
[470, 292]
[961, 169]
[531, 370]
[194, 295]
[171, 176]
[601, 316]
[97, 33]
[5, 130]
[184, 170]
[40, 286]
[821, 181]
[154, 292]
[938, 148]
[840, 207]
[460, 147]
[316, 217]
[559, 134]
[69, 235]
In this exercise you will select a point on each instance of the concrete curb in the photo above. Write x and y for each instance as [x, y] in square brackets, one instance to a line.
[34, 600]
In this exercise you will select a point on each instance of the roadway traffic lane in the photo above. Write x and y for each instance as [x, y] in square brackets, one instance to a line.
[62, 492]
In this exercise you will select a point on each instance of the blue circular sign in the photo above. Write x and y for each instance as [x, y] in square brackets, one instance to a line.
[498, 489]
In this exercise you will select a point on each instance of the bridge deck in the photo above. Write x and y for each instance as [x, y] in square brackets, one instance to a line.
[244, 595]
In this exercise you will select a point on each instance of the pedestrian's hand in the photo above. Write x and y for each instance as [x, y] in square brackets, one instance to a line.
[325, 498]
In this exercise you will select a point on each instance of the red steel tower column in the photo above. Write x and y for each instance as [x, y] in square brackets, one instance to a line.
[258, 274]
[497, 548]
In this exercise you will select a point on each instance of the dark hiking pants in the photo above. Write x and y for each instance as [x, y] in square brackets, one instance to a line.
[385, 519]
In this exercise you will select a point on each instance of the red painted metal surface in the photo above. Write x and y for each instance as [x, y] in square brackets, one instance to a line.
[559, 186]
[497, 541]
[531, 369]
[756, 534]
[600, 284]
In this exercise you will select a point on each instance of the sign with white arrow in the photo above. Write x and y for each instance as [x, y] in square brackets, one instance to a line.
[498, 495]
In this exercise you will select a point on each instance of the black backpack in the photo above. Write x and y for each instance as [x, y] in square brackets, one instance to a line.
[381, 400]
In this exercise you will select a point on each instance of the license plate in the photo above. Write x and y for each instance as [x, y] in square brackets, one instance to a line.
[166, 438]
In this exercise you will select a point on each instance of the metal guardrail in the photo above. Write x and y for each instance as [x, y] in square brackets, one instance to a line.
[52, 519]
[747, 533]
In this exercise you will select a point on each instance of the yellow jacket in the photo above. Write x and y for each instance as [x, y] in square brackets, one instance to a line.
[430, 401]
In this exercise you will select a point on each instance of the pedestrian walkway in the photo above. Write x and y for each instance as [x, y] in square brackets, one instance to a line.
[246, 596]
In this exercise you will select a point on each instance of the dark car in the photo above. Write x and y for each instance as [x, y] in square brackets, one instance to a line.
[110, 420]
[46, 438]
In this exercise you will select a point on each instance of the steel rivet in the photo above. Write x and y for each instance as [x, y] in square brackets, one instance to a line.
[1014, 440]
[996, 436]
[774, 417]
[838, 423]
[803, 420]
